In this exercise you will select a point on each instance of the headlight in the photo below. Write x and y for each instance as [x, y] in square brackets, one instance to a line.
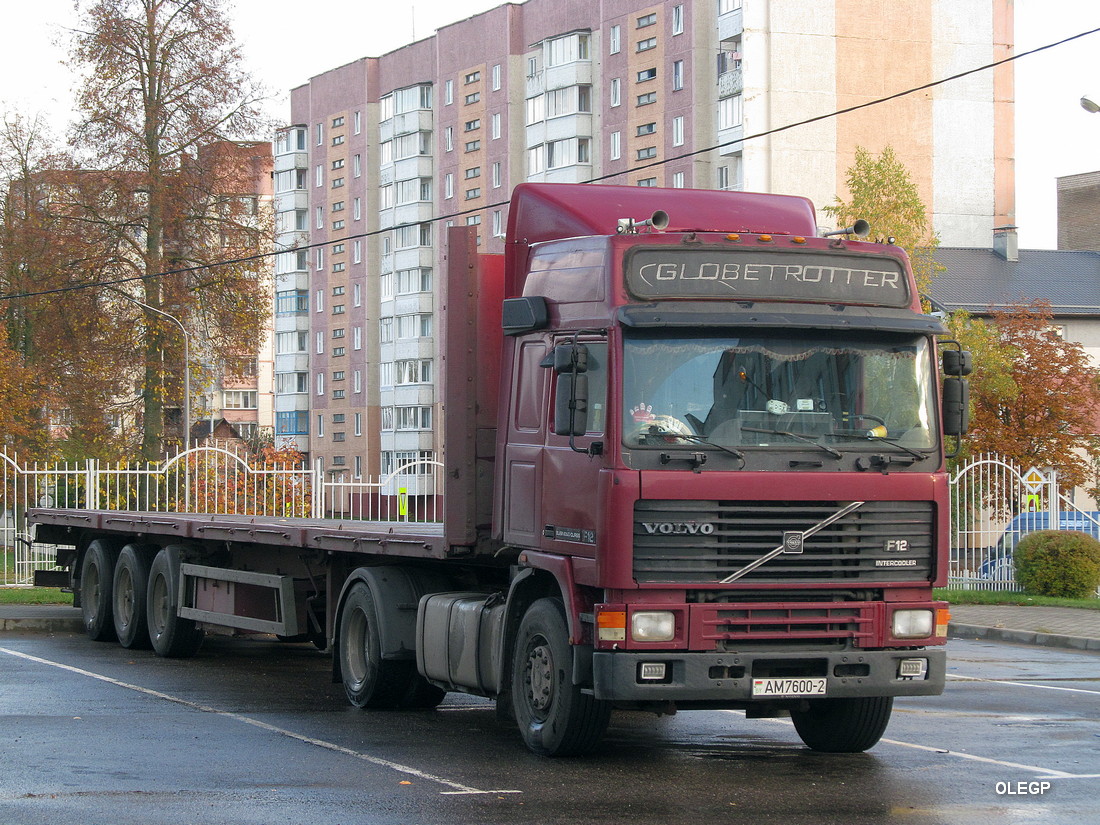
[653, 626]
[912, 624]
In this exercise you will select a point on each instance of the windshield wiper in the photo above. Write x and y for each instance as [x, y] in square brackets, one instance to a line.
[865, 437]
[699, 439]
[796, 437]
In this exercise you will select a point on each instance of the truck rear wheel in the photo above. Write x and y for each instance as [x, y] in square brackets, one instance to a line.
[847, 725]
[369, 680]
[555, 717]
[172, 637]
[129, 591]
[96, 577]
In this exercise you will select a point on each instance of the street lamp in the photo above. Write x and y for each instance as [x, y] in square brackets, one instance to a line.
[1090, 106]
[186, 367]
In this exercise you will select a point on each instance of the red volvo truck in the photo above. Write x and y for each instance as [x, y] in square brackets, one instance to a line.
[694, 458]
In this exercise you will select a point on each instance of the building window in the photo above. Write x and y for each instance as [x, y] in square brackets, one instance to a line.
[472, 194]
[357, 251]
[320, 342]
[338, 163]
[338, 309]
[677, 75]
[614, 40]
[647, 153]
[646, 129]
[448, 139]
[413, 371]
[357, 385]
[292, 302]
[647, 182]
[338, 394]
[357, 165]
[448, 92]
[319, 213]
[616, 145]
[494, 126]
[320, 131]
[496, 77]
[320, 425]
[337, 183]
[678, 130]
[239, 399]
[678, 19]
[568, 49]
[496, 175]
[647, 20]
[293, 341]
[647, 98]
[356, 209]
[337, 226]
[357, 337]
[413, 418]
[473, 97]
[339, 352]
[448, 186]
[338, 436]
[358, 122]
[319, 300]
[616, 91]
[292, 383]
[535, 109]
[729, 112]
[319, 175]
[471, 125]
[647, 74]
[647, 44]
[337, 375]
[337, 140]
[498, 223]
[338, 206]
[472, 77]
[295, 422]
[677, 180]
[358, 421]
[473, 145]
[473, 172]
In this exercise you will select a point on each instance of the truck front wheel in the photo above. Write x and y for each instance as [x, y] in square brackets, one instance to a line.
[555, 717]
[172, 637]
[96, 575]
[843, 725]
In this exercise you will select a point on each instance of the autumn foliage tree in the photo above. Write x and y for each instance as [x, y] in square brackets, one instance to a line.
[162, 102]
[881, 192]
[1034, 396]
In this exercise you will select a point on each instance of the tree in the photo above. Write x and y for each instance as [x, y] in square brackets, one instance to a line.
[66, 340]
[162, 96]
[1034, 396]
[882, 193]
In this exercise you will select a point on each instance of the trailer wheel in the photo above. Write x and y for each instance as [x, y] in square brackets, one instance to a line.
[849, 725]
[369, 680]
[129, 595]
[172, 637]
[96, 576]
[554, 716]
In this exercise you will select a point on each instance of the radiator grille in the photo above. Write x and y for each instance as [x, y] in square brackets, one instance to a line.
[807, 623]
[706, 541]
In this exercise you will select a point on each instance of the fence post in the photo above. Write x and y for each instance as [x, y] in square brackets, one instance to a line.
[318, 488]
[91, 486]
[1054, 504]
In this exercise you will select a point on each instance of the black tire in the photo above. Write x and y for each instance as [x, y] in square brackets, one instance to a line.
[96, 577]
[130, 588]
[171, 636]
[554, 716]
[843, 725]
[369, 680]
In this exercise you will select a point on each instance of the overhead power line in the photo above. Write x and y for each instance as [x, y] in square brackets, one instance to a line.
[608, 176]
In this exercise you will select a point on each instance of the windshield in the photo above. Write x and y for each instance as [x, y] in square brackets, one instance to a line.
[778, 391]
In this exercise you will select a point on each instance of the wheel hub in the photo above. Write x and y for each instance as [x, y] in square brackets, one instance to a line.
[540, 677]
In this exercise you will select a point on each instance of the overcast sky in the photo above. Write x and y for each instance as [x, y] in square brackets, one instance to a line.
[288, 41]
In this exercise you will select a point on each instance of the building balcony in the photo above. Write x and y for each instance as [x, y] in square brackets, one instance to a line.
[730, 24]
[731, 83]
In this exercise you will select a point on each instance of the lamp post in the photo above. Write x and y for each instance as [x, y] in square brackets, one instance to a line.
[186, 367]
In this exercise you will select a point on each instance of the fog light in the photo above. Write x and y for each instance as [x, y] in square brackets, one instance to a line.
[652, 626]
[912, 668]
[651, 672]
[912, 624]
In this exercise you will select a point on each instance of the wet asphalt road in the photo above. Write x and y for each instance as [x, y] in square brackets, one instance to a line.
[252, 731]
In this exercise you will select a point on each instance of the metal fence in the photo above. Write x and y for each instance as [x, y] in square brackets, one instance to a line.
[203, 480]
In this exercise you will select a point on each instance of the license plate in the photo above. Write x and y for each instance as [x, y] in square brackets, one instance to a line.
[789, 687]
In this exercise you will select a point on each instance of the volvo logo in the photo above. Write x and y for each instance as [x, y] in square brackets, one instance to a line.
[678, 528]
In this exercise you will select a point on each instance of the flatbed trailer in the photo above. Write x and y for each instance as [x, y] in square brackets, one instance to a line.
[688, 467]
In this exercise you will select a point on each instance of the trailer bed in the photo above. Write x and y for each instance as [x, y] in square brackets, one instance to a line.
[416, 539]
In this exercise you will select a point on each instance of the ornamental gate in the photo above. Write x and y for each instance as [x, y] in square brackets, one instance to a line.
[994, 503]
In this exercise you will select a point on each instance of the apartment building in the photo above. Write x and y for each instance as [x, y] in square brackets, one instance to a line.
[384, 153]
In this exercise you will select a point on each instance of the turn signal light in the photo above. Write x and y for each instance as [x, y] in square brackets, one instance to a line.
[611, 625]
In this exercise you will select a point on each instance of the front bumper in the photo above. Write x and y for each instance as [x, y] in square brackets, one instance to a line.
[715, 679]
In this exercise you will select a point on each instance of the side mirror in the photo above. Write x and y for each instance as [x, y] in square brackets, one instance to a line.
[570, 363]
[956, 406]
[957, 362]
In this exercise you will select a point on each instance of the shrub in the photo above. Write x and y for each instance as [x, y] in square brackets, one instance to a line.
[1062, 563]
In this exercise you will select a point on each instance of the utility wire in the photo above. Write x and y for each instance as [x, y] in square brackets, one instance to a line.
[608, 176]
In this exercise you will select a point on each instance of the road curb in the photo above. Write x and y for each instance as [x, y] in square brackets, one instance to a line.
[1021, 637]
[50, 625]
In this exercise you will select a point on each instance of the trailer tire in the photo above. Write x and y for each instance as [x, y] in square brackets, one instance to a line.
[96, 578]
[849, 725]
[369, 680]
[130, 589]
[172, 637]
[555, 717]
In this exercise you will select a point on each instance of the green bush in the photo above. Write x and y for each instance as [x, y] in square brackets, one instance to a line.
[1062, 563]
